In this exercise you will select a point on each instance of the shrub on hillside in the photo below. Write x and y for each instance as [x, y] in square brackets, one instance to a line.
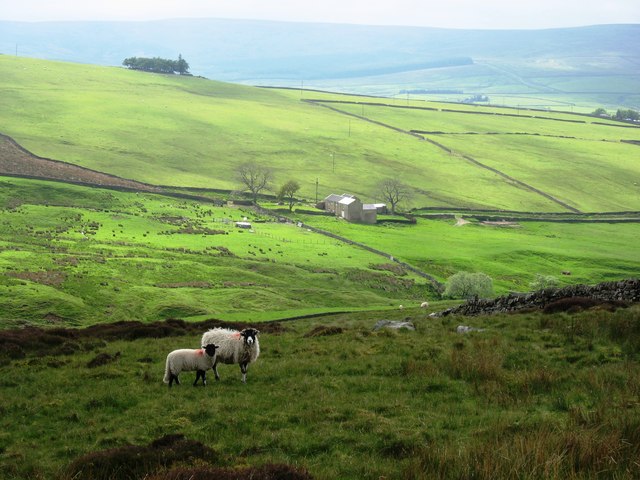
[544, 281]
[467, 285]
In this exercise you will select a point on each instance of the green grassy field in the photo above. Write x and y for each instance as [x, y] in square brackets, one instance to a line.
[194, 132]
[72, 255]
[75, 255]
[515, 84]
[541, 152]
[510, 255]
[531, 396]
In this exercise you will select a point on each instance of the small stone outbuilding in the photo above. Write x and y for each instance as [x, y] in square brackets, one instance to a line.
[352, 209]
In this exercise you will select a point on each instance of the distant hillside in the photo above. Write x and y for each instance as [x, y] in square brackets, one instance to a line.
[187, 131]
[597, 60]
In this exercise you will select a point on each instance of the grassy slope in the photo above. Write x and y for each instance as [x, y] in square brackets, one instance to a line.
[532, 393]
[511, 256]
[542, 152]
[194, 132]
[72, 255]
[132, 262]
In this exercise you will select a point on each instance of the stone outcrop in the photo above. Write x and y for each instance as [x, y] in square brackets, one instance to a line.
[627, 291]
[393, 325]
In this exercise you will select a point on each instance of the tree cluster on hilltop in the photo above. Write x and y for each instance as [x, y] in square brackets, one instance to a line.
[158, 65]
[621, 114]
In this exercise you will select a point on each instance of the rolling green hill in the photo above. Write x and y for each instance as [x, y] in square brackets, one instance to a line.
[193, 132]
[583, 67]
[530, 394]
[74, 255]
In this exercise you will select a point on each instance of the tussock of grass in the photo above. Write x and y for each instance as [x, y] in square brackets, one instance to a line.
[133, 462]
[264, 472]
[508, 401]
[569, 452]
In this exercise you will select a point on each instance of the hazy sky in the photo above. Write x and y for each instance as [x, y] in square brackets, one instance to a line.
[434, 13]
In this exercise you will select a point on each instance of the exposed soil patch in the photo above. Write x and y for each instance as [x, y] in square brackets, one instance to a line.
[461, 221]
[17, 161]
[51, 278]
[184, 285]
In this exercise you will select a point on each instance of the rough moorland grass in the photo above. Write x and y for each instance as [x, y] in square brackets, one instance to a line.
[531, 396]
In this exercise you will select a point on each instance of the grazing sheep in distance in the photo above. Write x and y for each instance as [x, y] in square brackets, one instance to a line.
[241, 347]
[187, 360]
[424, 305]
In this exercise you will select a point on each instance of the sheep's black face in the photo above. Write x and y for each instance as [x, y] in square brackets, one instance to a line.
[210, 349]
[250, 335]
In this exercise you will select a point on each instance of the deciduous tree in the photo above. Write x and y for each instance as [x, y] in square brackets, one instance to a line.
[255, 178]
[393, 191]
[287, 192]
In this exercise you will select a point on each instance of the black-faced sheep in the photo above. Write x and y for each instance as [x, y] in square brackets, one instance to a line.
[241, 347]
[200, 360]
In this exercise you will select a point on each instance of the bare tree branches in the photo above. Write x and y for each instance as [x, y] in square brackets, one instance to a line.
[393, 192]
[255, 178]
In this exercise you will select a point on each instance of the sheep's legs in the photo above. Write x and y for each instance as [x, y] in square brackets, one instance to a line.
[215, 370]
[243, 369]
[173, 377]
[199, 374]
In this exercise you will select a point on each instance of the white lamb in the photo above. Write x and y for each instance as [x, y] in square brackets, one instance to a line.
[242, 347]
[200, 360]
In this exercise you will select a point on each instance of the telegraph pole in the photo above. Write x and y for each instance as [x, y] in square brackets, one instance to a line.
[316, 190]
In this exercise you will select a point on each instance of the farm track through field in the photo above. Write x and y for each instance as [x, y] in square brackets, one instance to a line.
[468, 158]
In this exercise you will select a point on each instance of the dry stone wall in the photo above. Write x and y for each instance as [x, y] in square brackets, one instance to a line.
[627, 291]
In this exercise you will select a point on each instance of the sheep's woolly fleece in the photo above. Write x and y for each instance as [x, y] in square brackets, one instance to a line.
[231, 347]
[242, 347]
[187, 360]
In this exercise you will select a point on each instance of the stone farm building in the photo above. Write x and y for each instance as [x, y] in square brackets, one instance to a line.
[352, 209]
